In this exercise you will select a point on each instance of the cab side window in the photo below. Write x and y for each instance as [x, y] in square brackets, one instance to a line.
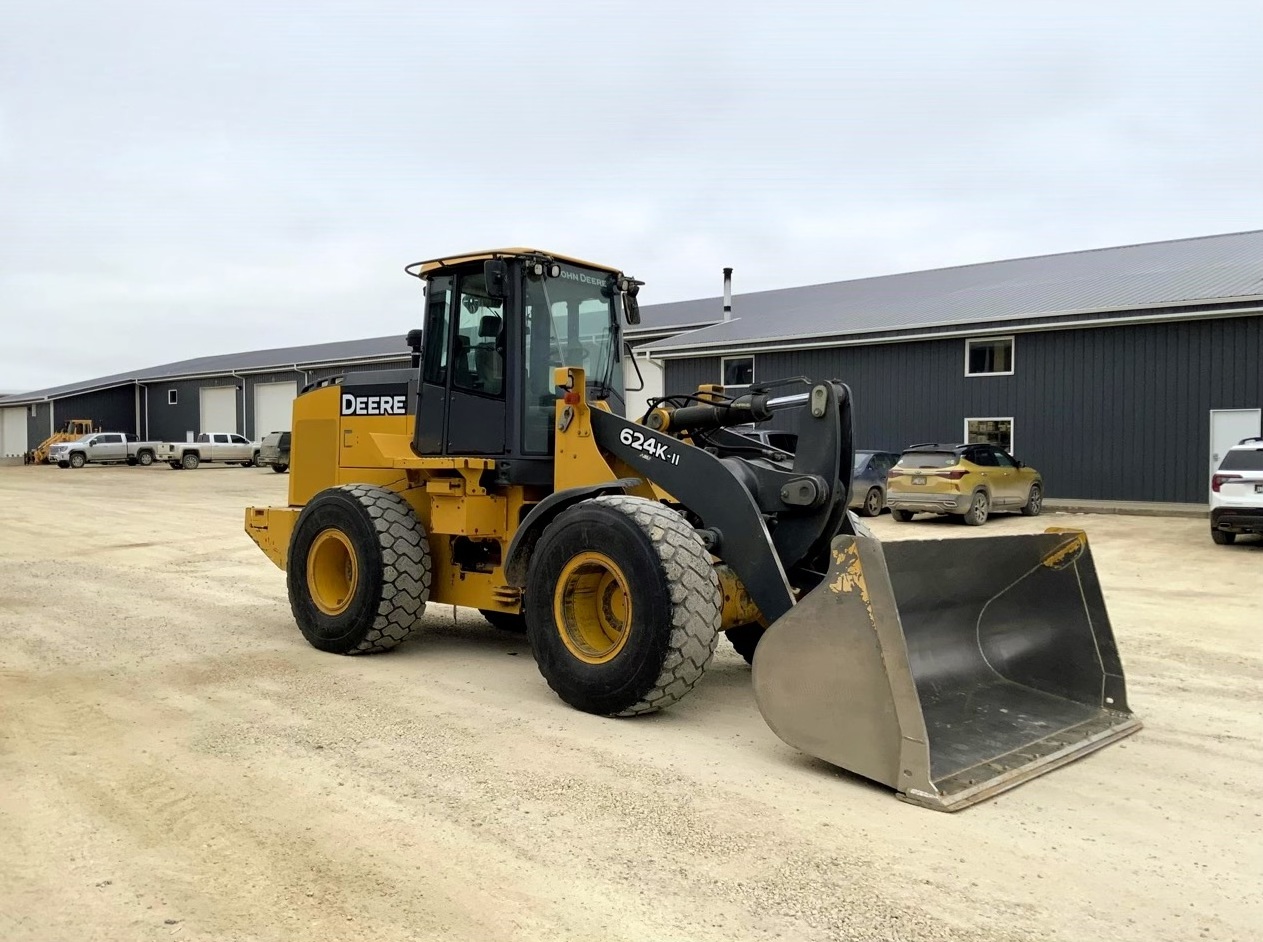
[478, 351]
[437, 334]
[1004, 461]
[984, 457]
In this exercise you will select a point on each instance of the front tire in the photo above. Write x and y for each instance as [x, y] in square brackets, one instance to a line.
[1034, 502]
[358, 570]
[979, 510]
[190, 462]
[280, 468]
[173, 465]
[78, 460]
[872, 503]
[1223, 537]
[622, 606]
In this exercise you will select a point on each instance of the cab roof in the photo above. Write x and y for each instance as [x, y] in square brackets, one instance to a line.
[421, 269]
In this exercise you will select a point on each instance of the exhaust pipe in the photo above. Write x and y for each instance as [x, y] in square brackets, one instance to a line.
[727, 294]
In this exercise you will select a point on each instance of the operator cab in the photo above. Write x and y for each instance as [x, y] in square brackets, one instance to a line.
[497, 324]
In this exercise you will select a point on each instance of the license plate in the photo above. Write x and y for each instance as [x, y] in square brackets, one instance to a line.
[920, 479]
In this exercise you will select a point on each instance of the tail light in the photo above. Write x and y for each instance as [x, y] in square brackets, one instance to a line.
[1219, 479]
[895, 473]
[954, 475]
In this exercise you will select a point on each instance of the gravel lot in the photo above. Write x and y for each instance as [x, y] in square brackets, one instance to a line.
[177, 763]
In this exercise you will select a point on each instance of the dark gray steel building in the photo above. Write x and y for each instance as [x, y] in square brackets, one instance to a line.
[1119, 373]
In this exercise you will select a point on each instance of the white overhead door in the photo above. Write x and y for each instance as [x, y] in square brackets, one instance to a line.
[273, 408]
[13, 433]
[218, 409]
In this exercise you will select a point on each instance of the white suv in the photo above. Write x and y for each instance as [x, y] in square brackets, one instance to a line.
[1236, 492]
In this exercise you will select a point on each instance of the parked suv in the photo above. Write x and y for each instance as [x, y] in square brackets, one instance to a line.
[969, 481]
[1236, 492]
[274, 451]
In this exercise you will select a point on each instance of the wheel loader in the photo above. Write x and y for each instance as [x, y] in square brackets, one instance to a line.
[499, 472]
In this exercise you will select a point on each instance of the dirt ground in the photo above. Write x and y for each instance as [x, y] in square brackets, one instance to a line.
[177, 763]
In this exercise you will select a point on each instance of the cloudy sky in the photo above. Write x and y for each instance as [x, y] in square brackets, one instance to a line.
[183, 178]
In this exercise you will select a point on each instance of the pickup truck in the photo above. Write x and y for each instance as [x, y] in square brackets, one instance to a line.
[227, 447]
[103, 448]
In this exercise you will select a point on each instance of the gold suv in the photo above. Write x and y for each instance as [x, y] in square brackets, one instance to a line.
[969, 481]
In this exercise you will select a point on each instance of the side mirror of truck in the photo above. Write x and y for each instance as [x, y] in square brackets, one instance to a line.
[496, 273]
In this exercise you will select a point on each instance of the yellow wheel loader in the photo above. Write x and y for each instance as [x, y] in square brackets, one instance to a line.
[499, 473]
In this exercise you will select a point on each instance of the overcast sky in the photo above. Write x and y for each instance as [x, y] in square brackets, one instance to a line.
[185, 178]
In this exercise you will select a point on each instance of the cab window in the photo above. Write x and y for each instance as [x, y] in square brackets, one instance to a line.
[477, 357]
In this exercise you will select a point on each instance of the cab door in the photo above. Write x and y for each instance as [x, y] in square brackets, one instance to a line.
[1018, 480]
[462, 407]
[1006, 482]
[108, 447]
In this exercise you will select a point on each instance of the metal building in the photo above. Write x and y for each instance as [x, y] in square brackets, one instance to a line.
[248, 393]
[1119, 373]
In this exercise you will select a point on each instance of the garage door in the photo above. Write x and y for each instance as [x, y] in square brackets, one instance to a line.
[273, 408]
[218, 409]
[13, 433]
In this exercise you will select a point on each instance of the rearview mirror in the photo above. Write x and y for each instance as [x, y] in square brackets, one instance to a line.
[631, 309]
[496, 273]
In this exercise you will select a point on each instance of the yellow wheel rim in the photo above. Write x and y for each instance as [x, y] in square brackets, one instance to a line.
[592, 608]
[332, 571]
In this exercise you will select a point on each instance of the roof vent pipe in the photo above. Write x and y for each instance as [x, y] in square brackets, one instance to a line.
[727, 294]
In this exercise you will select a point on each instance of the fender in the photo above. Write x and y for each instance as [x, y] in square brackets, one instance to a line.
[542, 514]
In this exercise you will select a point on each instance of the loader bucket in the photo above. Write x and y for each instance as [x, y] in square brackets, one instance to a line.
[949, 670]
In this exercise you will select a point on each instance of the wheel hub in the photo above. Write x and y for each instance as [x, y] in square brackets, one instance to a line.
[592, 608]
[332, 571]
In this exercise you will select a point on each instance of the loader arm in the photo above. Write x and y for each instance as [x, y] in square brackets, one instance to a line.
[771, 523]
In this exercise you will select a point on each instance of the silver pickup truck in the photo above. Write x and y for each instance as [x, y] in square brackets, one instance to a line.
[103, 448]
[228, 447]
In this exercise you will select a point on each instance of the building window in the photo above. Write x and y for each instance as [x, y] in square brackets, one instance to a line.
[989, 356]
[737, 371]
[173, 396]
[992, 431]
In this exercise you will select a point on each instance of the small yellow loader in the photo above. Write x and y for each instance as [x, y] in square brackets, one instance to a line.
[75, 428]
[500, 473]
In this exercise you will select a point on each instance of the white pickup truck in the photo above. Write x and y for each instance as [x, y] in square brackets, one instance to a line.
[103, 448]
[228, 447]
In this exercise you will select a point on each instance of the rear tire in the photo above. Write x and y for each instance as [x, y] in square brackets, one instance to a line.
[505, 621]
[622, 606]
[1034, 502]
[745, 639]
[358, 570]
[173, 465]
[1223, 537]
[145, 459]
[190, 462]
[132, 462]
[902, 516]
[872, 503]
[979, 509]
[280, 468]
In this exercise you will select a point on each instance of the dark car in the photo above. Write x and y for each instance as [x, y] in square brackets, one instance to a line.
[274, 451]
[868, 481]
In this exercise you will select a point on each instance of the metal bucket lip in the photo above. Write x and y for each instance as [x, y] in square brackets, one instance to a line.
[953, 793]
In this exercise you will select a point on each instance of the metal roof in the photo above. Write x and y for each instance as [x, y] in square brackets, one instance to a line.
[255, 361]
[1108, 281]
